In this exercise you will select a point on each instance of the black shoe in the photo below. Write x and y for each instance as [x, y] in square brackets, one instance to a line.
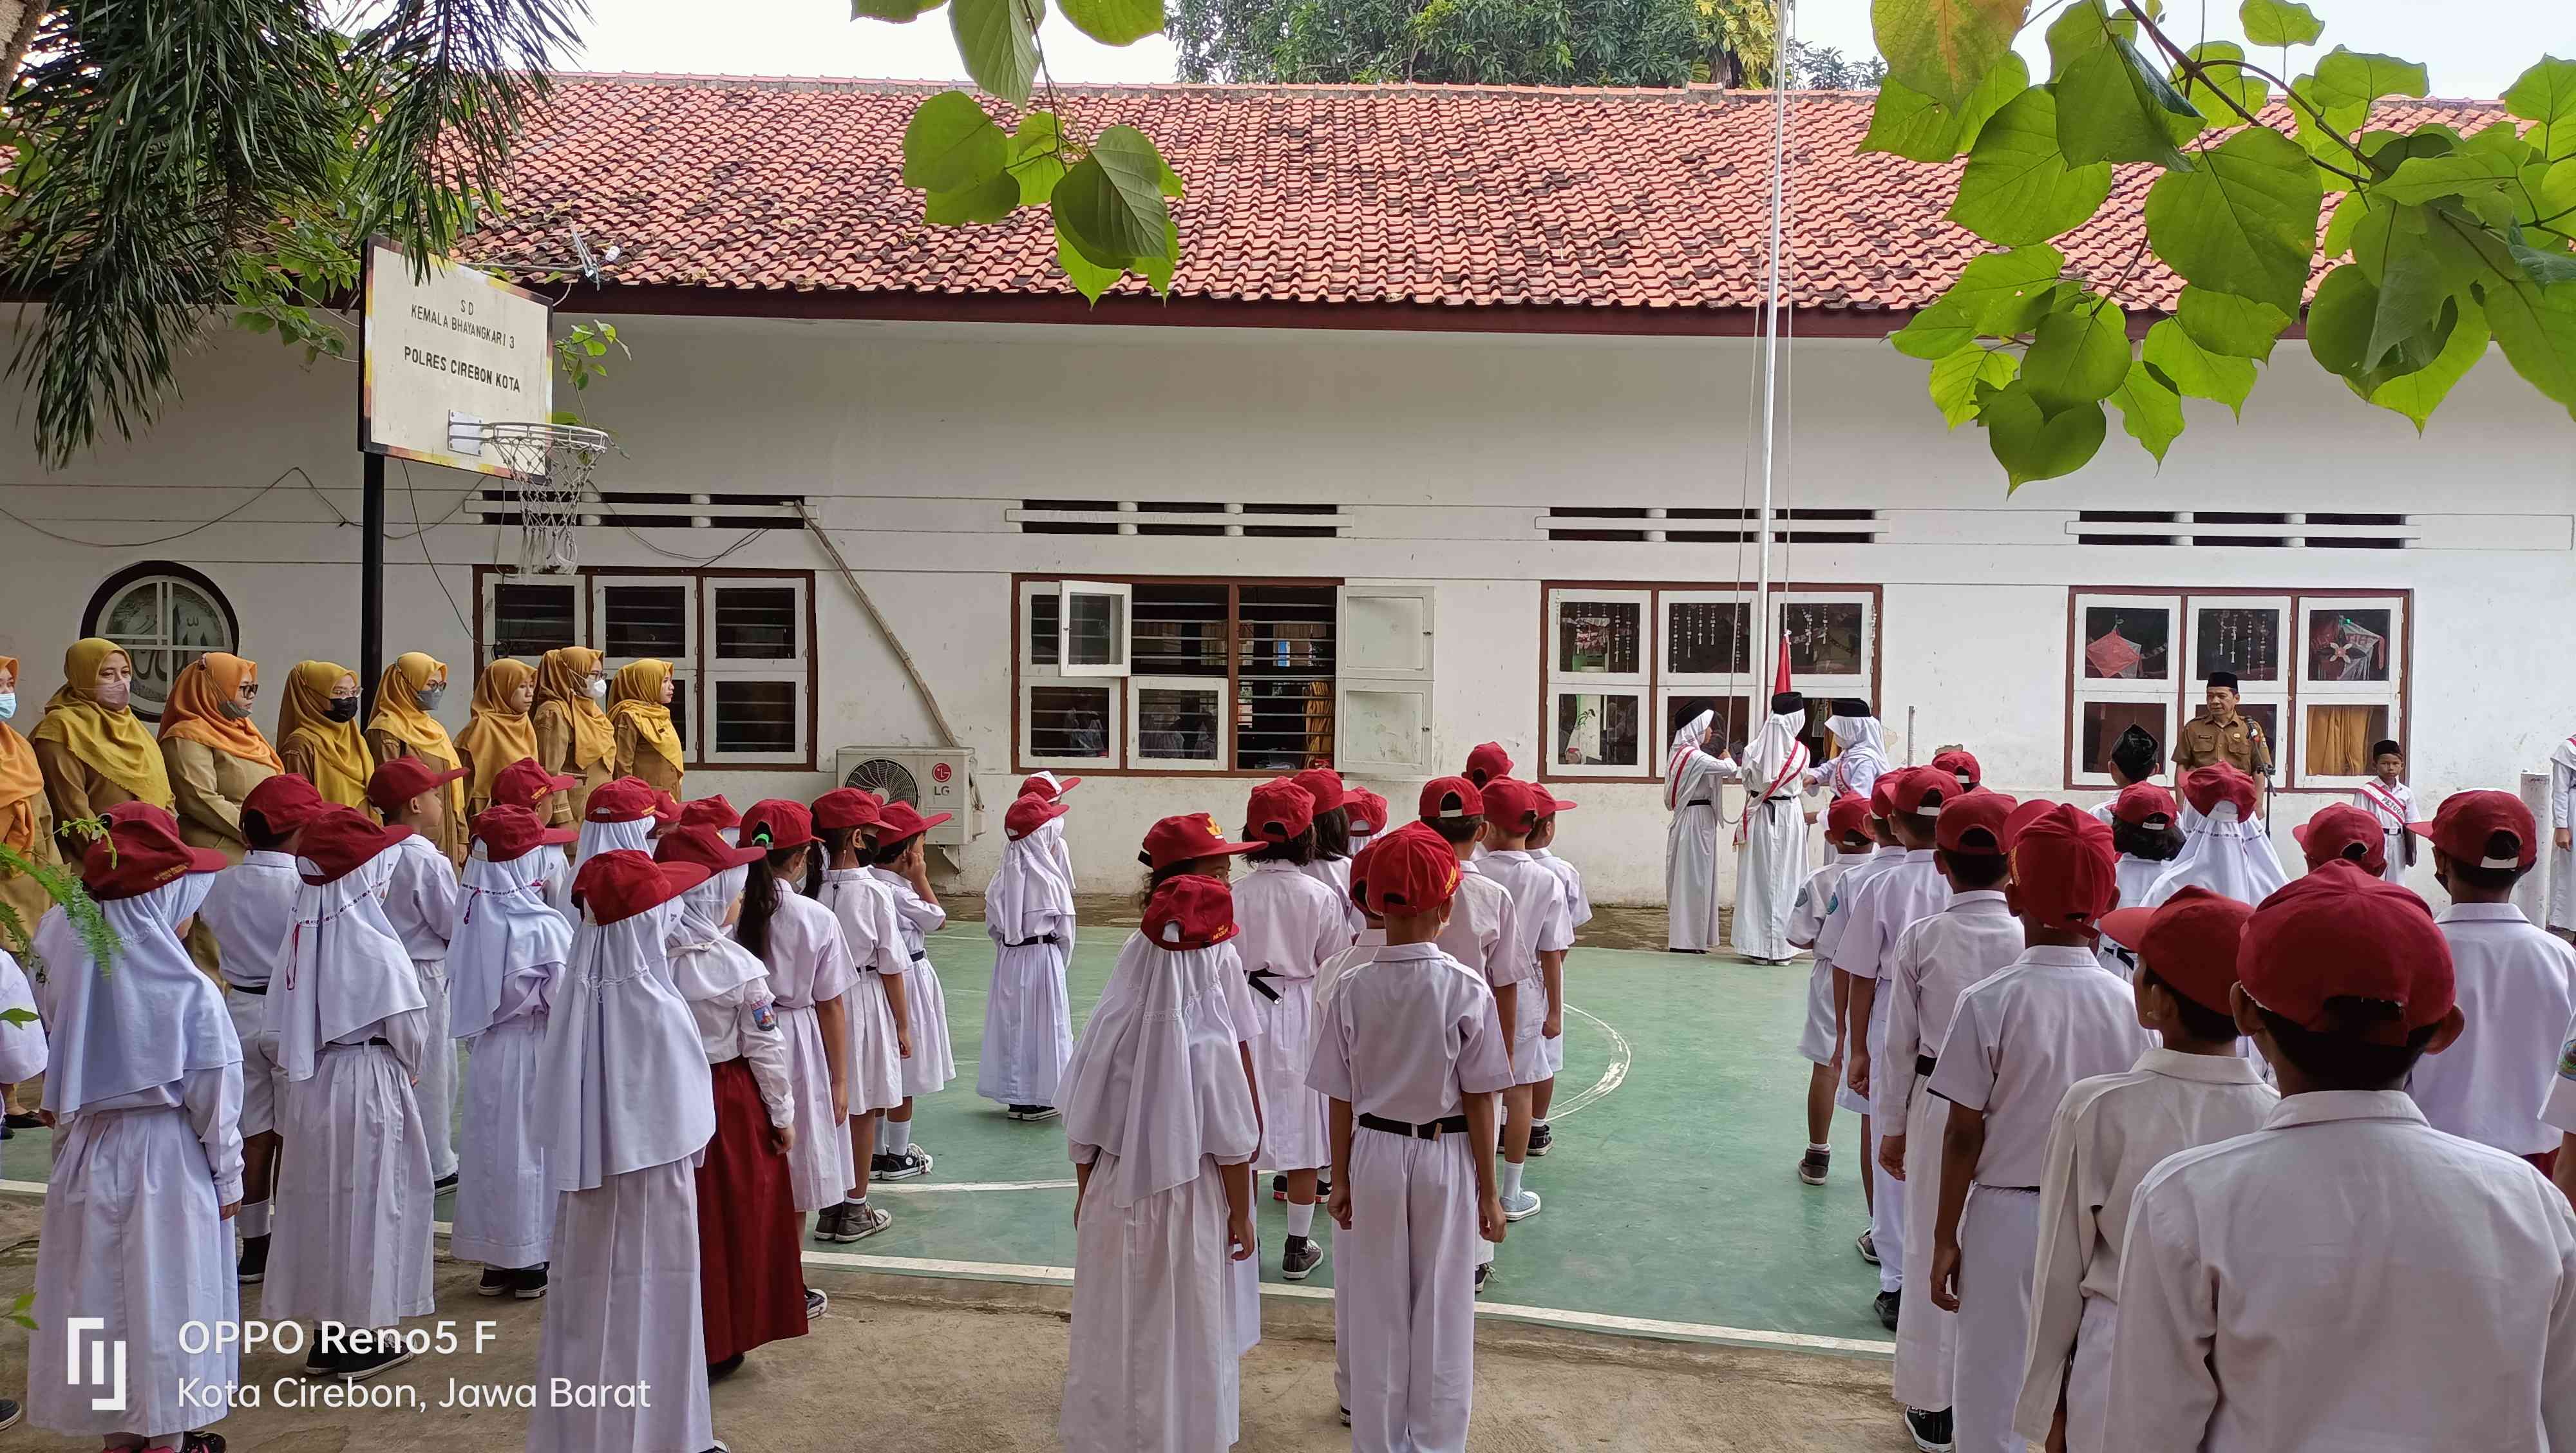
[1813, 1165]
[22, 1120]
[1484, 1274]
[1867, 1245]
[254, 1259]
[10, 1413]
[1323, 1188]
[1931, 1430]
[1885, 1305]
[446, 1182]
[1299, 1258]
[1541, 1138]
[815, 1302]
[912, 1163]
[1278, 1188]
[496, 1281]
[1032, 1112]
[719, 1371]
[529, 1282]
[1346, 1417]
[359, 1366]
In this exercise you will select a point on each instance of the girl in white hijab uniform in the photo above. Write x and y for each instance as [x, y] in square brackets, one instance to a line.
[1691, 779]
[2223, 850]
[1771, 841]
[146, 1086]
[1028, 1016]
[629, 1107]
[354, 1200]
[1864, 755]
[618, 818]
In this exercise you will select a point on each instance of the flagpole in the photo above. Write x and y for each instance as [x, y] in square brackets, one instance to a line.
[1771, 311]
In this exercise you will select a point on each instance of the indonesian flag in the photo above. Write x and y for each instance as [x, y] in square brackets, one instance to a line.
[2114, 655]
[1780, 678]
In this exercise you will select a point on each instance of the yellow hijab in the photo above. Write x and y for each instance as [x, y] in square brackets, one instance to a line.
[195, 711]
[636, 696]
[400, 715]
[20, 780]
[341, 762]
[564, 677]
[116, 744]
[497, 735]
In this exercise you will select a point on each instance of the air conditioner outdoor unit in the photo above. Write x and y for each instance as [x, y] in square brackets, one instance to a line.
[933, 779]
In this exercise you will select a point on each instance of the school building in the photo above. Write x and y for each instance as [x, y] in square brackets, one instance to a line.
[1447, 434]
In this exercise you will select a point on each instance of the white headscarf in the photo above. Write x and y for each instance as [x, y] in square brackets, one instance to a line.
[705, 961]
[1157, 1079]
[1031, 894]
[1864, 754]
[632, 835]
[346, 968]
[1686, 742]
[22, 1046]
[624, 1084]
[504, 928]
[150, 1020]
[1775, 754]
[2219, 854]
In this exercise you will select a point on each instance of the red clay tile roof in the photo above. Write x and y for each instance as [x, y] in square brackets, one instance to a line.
[1526, 200]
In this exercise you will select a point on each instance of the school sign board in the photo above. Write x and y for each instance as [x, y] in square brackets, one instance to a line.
[447, 351]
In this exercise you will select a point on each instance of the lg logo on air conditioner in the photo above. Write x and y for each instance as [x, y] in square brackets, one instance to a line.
[106, 1362]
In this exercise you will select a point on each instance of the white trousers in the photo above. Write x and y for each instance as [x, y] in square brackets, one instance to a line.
[1926, 1336]
[1998, 1254]
[1406, 1274]
[437, 1089]
[1887, 1206]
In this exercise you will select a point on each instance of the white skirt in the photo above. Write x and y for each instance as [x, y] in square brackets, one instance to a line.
[925, 1004]
[875, 1055]
[1028, 1027]
[1690, 877]
[436, 1092]
[1293, 1132]
[354, 1201]
[263, 1078]
[1155, 1345]
[818, 1164]
[505, 1210]
[622, 1312]
[1770, 866]
[132, 1235]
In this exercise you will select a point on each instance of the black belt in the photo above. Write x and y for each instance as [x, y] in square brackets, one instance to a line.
[380, 1039]
[1699, 802]
[1447, 1125]
[1256, 978]
[2026, 1190]
[1023, 943]
[920, 957]
[1923, 1065]
[247, 988]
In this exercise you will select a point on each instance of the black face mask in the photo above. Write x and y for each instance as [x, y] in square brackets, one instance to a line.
[342, 708]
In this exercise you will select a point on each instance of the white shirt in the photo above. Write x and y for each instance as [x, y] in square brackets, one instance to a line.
[1934, 962]
[1846, 898]
[1288, 923]
[1483, 931]
[420, 897]
[742, 1023]
[2517, 990]
[1578, 902]
[2021, 1039]
[2109, 1133]
[1888, 904]
[2346, 1278]
[809, 962]
[2378, 799]
[871, 929]
[920, 916]
[250, 910]
[1816, 895]
[1409, 1036]
[1329, 977]
[1541, 911]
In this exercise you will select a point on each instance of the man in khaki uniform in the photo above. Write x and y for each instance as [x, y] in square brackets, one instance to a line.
[2220, 734]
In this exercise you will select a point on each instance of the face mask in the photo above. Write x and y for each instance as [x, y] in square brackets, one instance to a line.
[233, 709]
[430, 697]
[599, 688]
[342, 708]
[115, 697]
[8, 705]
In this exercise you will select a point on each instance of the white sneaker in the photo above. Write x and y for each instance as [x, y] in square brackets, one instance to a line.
[1520, 1207]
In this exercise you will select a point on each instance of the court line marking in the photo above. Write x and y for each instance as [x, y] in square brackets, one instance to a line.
[1612, 1077]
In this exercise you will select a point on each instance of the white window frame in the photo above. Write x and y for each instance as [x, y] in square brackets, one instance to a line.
[1403, 671]
[684, 667]
[1648, 637]
[1125, 595]
[1636, 685]
[1704, 683]
[1822, 685]
[2313, 692]
[1650, 740]
[1212, 687]
[797, 670]
[491, 604]
[1111, 737]
[2159, 691]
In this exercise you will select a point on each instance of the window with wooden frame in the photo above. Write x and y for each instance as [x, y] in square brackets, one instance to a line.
[1625, 664]
[740, 644]
[2323, 673]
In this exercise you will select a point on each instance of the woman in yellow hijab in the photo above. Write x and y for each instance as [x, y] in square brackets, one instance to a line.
[639, 707]
[403, 727]
[26, 818]
[499, 734]
[94, 751]
[574, 738]
[318, 737]
[214, 755]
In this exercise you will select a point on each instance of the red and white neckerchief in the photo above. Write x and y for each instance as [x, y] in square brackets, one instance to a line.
[1797, 763]
[2381, 802]
[1682, 753]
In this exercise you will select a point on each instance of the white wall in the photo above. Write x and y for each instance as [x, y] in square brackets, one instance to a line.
[915, 439]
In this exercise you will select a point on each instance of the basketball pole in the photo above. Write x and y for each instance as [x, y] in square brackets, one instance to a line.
[371, 584]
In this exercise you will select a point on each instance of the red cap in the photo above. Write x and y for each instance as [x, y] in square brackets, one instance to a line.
[510, 832]
[2341, 933]
[1488, 762]
[525, 783]
[1450, 797]
[2336, 831]
[1032, 812]
[285, 802]
[706, 847]
[2144, 804]
[712, 812]
[2191, 942]
[1847, 815]
[1513, 805]
[141, 852]
[1960, 766]
[1922, 792]
[1047, 785]
[666, 808]
[1882, 792]
[1974, 824]
[627, 799]
[399, 781]
[341, 840]
[617, 886]
[776, 824]
[1410, 872]
[1278, 811]
[1185, 838]
[2206, 787]
[1549, 803]
[2483, 830]
[901, 822]
[1190, 911]
[1366, 809]
[848, 807]
[2063, 867]
[1325, 786]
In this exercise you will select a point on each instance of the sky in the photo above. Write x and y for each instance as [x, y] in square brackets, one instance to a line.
[2474, 48]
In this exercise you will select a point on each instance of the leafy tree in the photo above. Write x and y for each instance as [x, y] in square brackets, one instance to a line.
[1823, 68]
[2436, 240]
[1491, 42]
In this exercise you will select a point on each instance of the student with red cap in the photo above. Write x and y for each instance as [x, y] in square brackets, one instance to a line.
[1046, 785]
[1483, 931]
[1367, 812]
[144, 1092]
[2343, 831]
[1028, 1014]
[1960, 765]
[1543, 847]
[2224, 848]
[2110, 1131]
[2017, 1042]
[1289, 924]
[1848, 1031]
[1412, 1055]
[1578, 912]
[2146, 831]
[1847, 845]
[810, 977]
[898, 840]
[1331, 864]
[1160, 1122]
[1545, 921]
[714, 812]
[2515, 985]
[420, 899]
[1931, 964]
[2347, 1276]
[1487, 762]
[879, 1038]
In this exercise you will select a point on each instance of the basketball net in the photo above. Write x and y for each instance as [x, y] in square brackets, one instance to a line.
[550, 471]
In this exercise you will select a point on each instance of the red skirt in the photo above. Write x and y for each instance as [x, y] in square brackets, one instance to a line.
[749, 1234]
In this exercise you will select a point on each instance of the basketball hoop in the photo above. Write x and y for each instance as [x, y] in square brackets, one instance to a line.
[550, 467]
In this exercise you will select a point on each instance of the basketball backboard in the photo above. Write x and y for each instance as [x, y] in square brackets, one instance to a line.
[447, 353]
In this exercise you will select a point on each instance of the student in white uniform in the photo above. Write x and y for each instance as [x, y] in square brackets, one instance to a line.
[420, 899]
[1543, 847]
[1028, 1015]
[1545, 922]
[1483, 932]
[1288, 924]
[354, 1200]
[1332, 861]
[2018, 1041]
[511, 946]
[1848, 845]
[629, 1107]
[2340, 830]
[2195, 1088]
[1367, 813]
[1771, 839]
[621, 815]
[2146, 831]
[1960, 766]
[1486, 762]
[1863, 755]
[1160, 1123]
[2347, 1276]
[810, 976]
[2223, 848]
[249, 911]
[897, 842]
[1694, 772]
[1849, 1031]
[879, 1037]
[1412, 1057]
[1578, 912]
[1932, 963]
[2514, 984]
[2561, 917]
[2387, 798]
[144, 1091]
